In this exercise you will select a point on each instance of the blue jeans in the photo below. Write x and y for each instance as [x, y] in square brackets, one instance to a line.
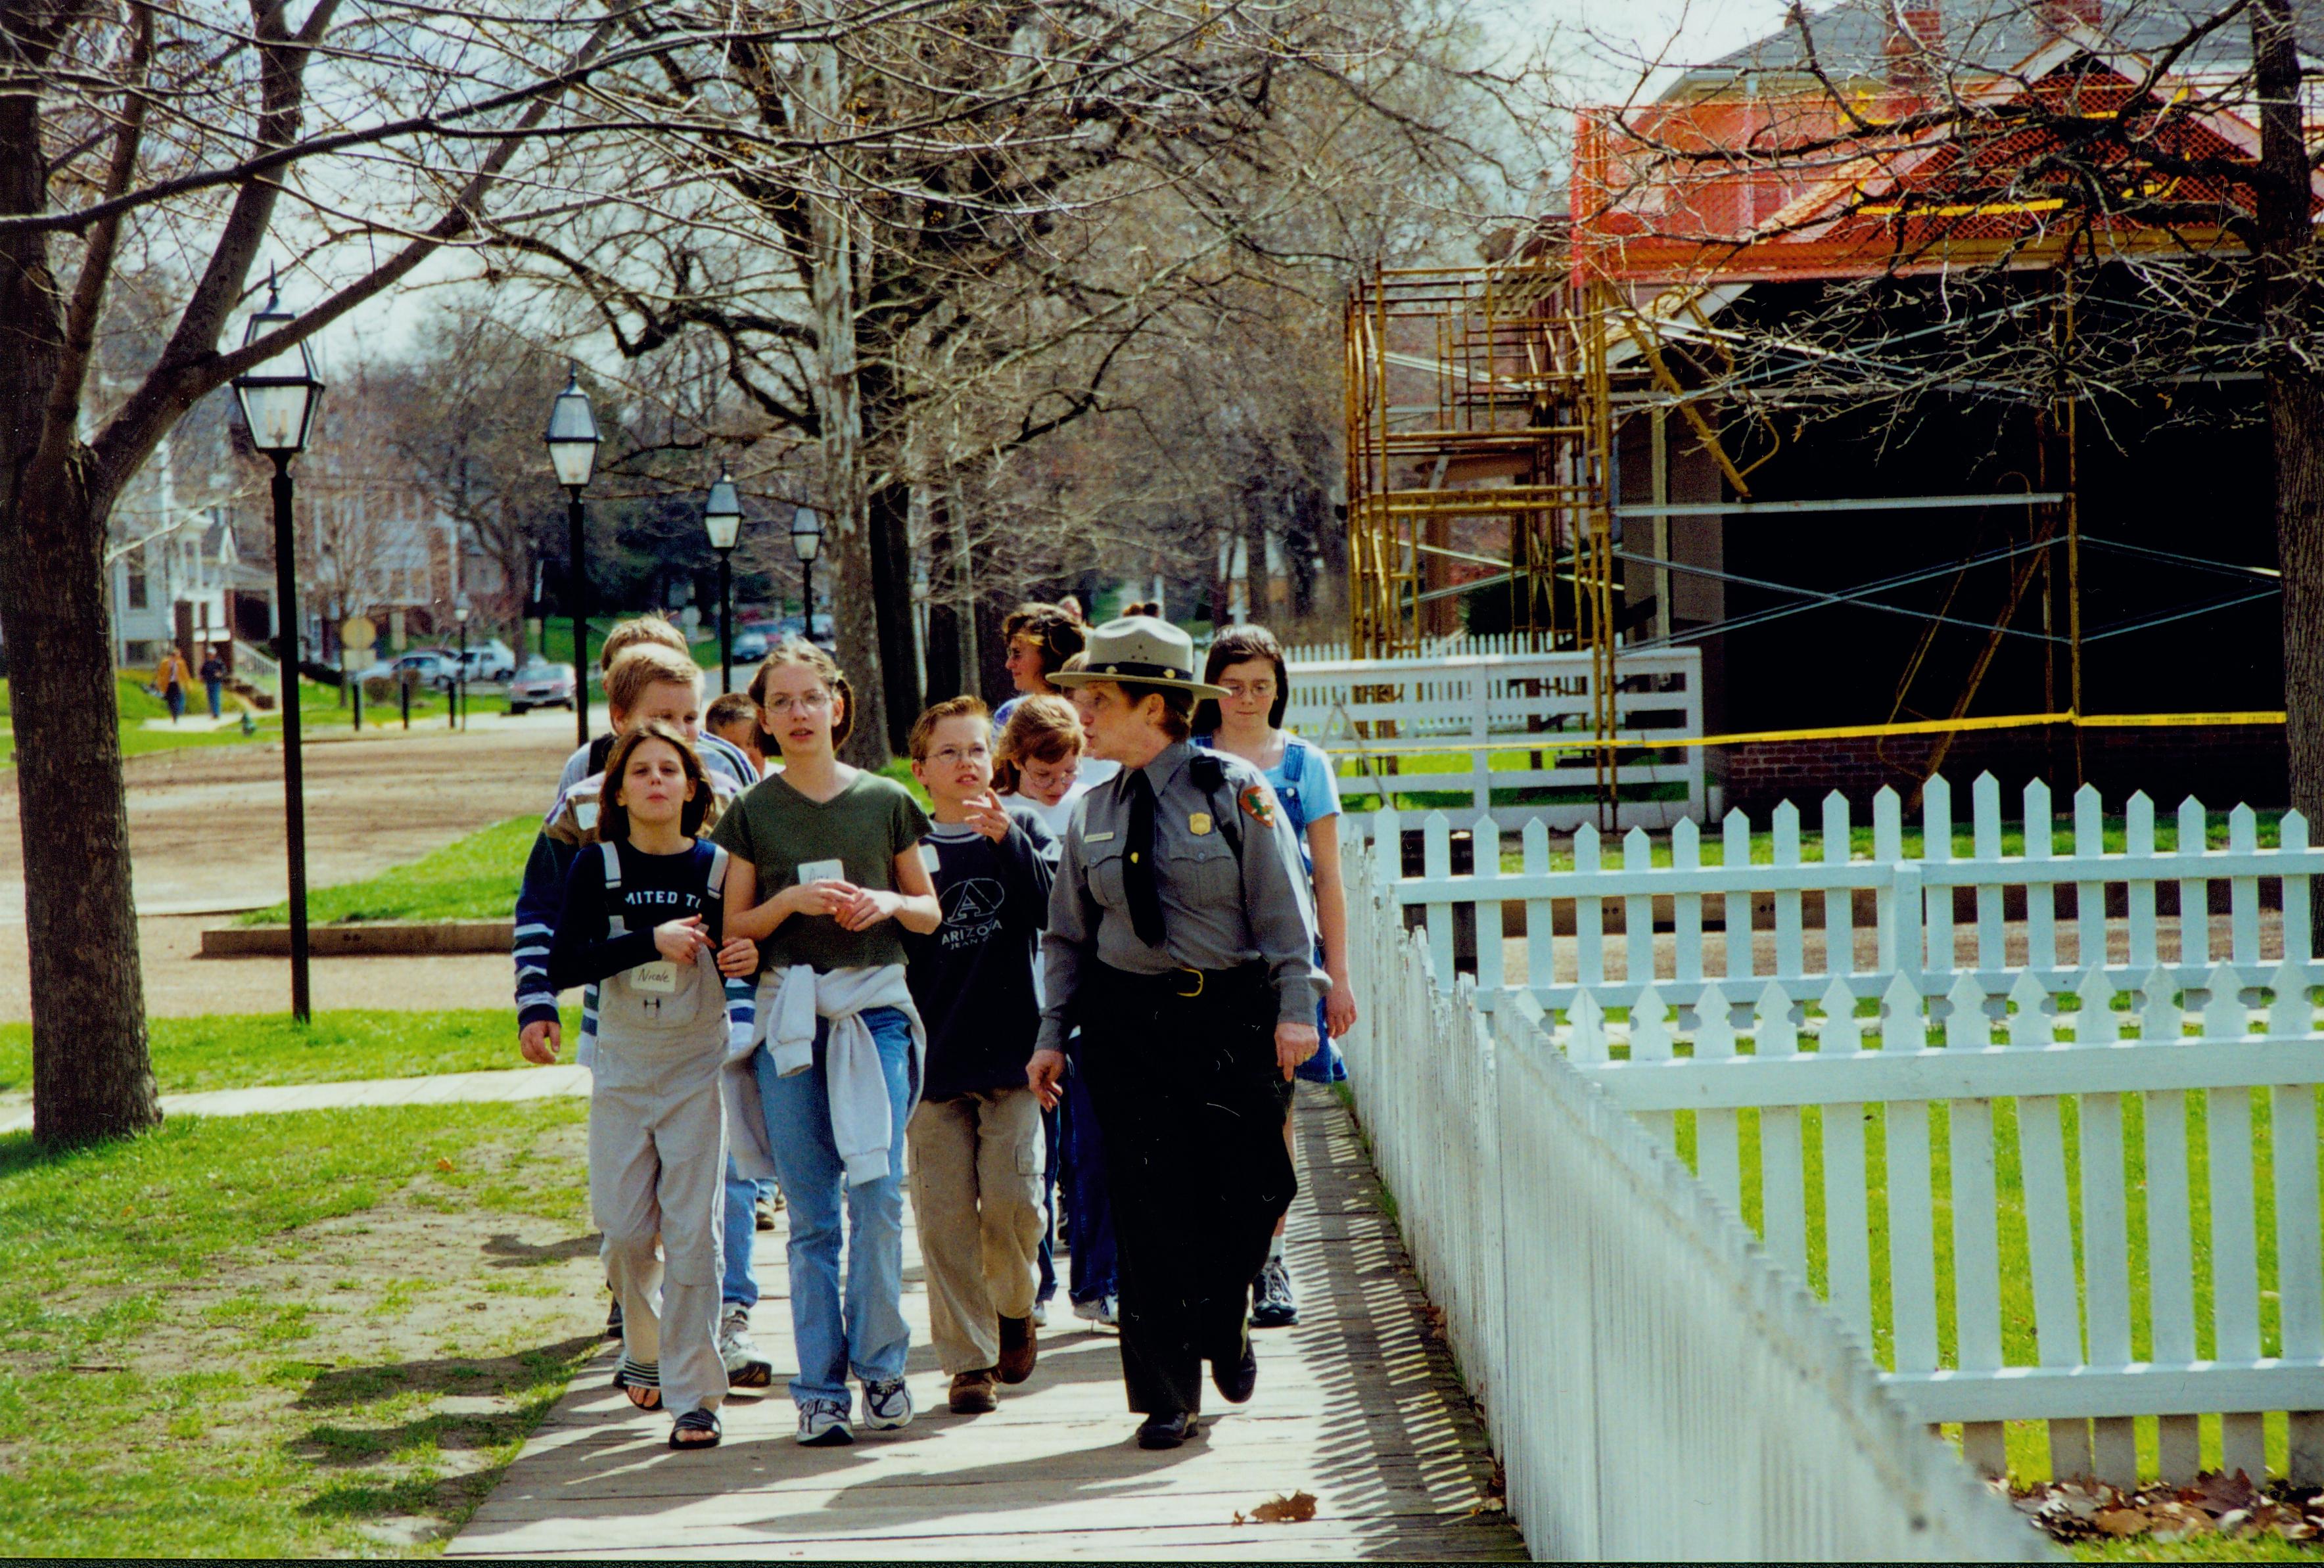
[1051, 1140]
[740, 1286]
[868, 1337]
[217, 691]
[1094, 1272]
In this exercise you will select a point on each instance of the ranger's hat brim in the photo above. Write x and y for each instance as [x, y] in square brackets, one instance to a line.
[1142, 650]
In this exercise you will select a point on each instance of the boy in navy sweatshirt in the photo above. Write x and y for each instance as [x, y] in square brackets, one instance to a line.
[976, 1137]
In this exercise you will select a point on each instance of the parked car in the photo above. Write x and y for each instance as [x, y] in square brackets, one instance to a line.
[790, 626]
[432, 667]
[750, 643]
[541, 685]
[493, 661]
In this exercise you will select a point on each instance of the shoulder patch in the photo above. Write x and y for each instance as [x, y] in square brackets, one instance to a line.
[1257, 804]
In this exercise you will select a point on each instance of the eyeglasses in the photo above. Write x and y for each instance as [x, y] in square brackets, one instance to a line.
[954, 756]
[812, 702]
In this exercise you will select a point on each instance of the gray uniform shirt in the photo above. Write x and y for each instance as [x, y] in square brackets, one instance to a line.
[1215, 917]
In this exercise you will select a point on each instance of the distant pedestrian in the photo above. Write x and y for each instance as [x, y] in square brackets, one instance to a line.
[978, 1155]
[1039, 638]
[214, 678]
[172, 678]
[1248, 663]
[642, 920]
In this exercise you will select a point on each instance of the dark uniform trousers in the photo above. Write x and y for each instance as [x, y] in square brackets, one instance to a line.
[1191, 1105]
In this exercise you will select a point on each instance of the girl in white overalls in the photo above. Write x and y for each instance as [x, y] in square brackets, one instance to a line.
[643, 909]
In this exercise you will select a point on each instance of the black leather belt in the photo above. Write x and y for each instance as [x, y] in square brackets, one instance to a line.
[1186, 984]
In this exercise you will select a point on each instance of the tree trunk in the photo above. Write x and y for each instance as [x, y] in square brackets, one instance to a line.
[947, 675]
[2293, 312]
[91, 1076]
[889, 509]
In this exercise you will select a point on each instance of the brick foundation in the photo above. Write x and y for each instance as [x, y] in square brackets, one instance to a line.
[2221, 766]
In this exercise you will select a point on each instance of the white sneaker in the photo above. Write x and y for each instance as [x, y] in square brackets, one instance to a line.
[746, 1367]
[1105, 1310]
[886, 1406]
[823, 1423]
[1040, 1314]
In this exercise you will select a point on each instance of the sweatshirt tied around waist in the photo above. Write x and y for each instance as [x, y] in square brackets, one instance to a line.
[790, 1001]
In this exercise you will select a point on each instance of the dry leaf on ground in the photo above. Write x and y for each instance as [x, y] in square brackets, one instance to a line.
[1294, 1508]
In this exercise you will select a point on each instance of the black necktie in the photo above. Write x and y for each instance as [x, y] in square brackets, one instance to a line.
[1137, 873]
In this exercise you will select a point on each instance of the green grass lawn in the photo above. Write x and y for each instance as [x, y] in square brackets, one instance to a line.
[323, 1333]
[234, 1052]
[473, 878]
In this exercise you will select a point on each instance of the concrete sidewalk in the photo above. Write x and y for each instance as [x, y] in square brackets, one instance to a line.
[443, 1089]
[1357, 1407]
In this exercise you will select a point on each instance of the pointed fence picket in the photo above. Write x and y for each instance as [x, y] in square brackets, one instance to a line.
[2057, 1068]
[1806, 920]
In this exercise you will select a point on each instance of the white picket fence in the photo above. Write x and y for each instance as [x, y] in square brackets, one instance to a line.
[1463, 646]
[1655, 1387]
[1382, 719]
[1823, 916]
[2071, 1102]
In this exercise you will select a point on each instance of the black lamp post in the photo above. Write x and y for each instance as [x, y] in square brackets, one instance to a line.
[572, 438]
[807, 539]
[460, 611]
[278, 397]
[722, 518]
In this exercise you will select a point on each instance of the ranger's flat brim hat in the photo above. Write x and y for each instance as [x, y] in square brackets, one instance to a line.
[1141, 649]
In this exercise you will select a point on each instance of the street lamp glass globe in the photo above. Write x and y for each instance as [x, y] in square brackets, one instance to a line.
[722, 513]
[461, 609]
[572, 435]
[279, 395]
[807, 533]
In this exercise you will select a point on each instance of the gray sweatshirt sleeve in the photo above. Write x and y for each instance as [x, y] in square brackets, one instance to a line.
[1069, 942]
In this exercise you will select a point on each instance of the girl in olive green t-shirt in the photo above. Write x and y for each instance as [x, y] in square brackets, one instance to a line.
[827, 865]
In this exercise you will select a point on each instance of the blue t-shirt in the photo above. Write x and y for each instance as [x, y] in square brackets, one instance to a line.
[1302, 780]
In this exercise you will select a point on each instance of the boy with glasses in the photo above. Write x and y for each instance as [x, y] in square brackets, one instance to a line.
[976, 1140]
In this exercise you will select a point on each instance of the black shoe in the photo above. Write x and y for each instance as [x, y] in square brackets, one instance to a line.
[614, 1321]
[1235, 1380]
[1168, 1431]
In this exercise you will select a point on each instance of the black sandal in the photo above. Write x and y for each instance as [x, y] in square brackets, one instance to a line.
[696, 1421]
[634, 1388]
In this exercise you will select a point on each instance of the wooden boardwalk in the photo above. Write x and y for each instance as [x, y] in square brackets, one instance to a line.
[1358, 1406]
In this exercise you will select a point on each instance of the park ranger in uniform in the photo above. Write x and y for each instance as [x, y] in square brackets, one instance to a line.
[1182, 944]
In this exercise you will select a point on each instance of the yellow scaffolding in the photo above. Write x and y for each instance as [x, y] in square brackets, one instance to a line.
[1480, 453]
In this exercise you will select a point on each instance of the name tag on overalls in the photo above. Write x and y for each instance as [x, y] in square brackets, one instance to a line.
[660, 976]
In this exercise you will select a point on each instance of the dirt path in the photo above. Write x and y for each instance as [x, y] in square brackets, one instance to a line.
[206, 832]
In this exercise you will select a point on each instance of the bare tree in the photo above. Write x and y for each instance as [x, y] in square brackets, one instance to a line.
[1090, 169]
[354, 142]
